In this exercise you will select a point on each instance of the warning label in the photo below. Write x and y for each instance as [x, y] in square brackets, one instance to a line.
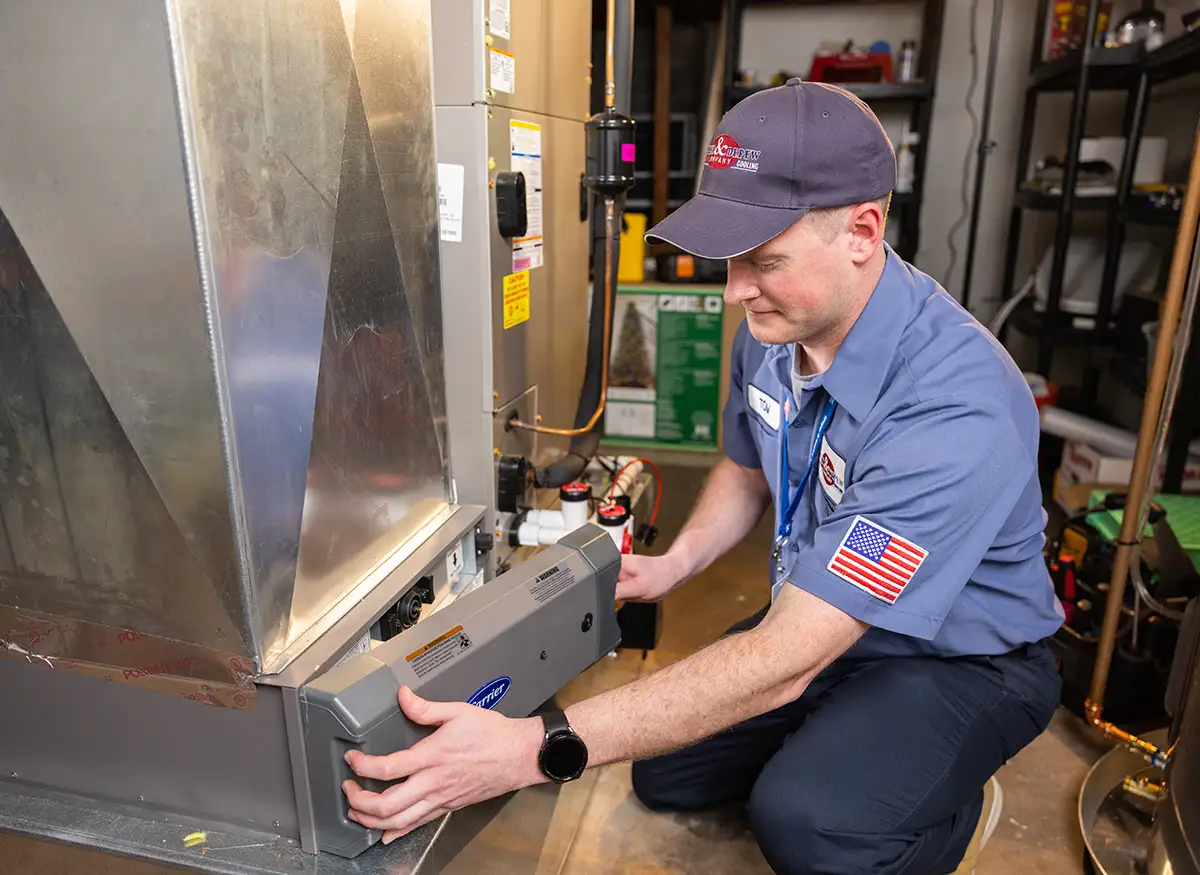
[516, 298]
[551, 582]
[438, 652]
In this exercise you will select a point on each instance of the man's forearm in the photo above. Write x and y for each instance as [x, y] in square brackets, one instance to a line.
[728, 509]
[737, 677]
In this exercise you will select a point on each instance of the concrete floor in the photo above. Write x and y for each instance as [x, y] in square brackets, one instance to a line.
[596, 827]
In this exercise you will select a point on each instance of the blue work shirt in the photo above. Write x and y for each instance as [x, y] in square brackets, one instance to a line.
[923, 516]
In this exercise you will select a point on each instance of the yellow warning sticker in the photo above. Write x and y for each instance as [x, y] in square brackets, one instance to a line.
[516, 298]
[438, 652]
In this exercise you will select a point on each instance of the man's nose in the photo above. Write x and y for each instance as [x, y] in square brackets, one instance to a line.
[739, 287]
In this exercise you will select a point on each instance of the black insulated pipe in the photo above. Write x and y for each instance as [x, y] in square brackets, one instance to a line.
[583, 447]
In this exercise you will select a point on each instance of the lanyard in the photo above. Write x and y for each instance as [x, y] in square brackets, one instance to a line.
[793, 499]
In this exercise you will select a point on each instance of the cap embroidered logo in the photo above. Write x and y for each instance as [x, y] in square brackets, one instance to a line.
[720, 152]
[724, 153]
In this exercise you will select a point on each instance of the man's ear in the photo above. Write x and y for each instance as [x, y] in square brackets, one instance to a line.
[867, 223]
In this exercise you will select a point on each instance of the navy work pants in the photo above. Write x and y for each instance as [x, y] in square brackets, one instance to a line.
[878, 767]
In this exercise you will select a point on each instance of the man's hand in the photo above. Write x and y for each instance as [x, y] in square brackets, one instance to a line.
[648, 578]
[473, 755]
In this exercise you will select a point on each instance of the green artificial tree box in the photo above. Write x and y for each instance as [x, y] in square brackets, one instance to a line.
[664, 383]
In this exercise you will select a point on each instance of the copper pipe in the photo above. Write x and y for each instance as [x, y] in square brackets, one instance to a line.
[1151, 752]
[1144, 460]
[610, 36]
[609, 222]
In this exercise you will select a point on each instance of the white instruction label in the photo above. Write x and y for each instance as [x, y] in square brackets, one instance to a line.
[450, 201]
[525, 140]
[362, 645]
[503, 66]
[499, 13]
[454, 561]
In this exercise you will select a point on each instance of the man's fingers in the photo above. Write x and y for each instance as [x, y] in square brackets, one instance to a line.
[423, 711]
[392, 834]
[391, 801]
[392, 767]
[397, 824]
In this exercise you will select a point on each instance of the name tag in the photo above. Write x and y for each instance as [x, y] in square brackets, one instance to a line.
[763, 404]
[832, 473]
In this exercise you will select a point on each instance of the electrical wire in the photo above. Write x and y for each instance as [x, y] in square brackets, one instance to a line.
[972, 146]
[1140, 590]
[657, 479]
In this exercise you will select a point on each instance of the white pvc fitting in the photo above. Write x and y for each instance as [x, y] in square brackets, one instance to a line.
[534, 535]
[552, 518]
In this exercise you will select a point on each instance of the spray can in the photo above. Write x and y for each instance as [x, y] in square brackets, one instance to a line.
[908, 61]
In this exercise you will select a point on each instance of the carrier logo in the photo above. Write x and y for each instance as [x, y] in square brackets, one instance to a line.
[724, 152]
[490, 694]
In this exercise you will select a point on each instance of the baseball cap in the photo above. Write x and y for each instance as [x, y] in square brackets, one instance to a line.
[778, 154]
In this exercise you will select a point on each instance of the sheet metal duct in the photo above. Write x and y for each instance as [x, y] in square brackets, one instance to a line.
[222, 404]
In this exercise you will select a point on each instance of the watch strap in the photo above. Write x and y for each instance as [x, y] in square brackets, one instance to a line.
[555, 722]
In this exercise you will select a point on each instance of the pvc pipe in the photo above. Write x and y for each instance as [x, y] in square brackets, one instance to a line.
[552, 518]
[533, 535]
[1105, 438]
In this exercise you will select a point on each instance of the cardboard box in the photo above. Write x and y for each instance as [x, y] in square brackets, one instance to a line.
[1083, 465]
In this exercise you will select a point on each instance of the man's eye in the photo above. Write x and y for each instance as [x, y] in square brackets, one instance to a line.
[765, 266]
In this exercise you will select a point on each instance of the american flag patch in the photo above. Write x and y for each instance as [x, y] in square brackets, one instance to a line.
[876, 560]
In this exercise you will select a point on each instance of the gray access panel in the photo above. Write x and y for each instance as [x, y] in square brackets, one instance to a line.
[508, 646]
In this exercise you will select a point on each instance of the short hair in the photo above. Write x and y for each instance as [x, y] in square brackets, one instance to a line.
[829, 220]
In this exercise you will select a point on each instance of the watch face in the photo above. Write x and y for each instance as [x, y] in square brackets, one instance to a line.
[564, 757]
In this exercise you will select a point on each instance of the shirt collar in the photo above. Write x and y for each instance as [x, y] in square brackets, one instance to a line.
[855, 378]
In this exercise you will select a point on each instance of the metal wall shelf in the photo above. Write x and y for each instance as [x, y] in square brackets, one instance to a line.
[1135, 210]
[1171, 60]
[1033, 323]
[1111, 69]
[1116, 68]
[917, 96]
[869, 92]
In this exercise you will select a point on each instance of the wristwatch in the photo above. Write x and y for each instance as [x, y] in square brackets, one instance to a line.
[563, 756]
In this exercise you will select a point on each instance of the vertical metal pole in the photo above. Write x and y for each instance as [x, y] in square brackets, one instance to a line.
[622, 55]
[610, 85]
[984, 150]
[1013, 246]
[1135, 123]
[927, 68]
[1039, 34]
[733, 47]
[1066, 209]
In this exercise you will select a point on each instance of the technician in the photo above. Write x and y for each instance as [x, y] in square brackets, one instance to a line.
[901, 661]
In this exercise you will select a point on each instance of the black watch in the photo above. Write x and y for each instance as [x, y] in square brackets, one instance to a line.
[563, 756]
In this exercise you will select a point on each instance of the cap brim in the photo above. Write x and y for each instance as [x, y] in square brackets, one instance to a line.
[713, 227]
